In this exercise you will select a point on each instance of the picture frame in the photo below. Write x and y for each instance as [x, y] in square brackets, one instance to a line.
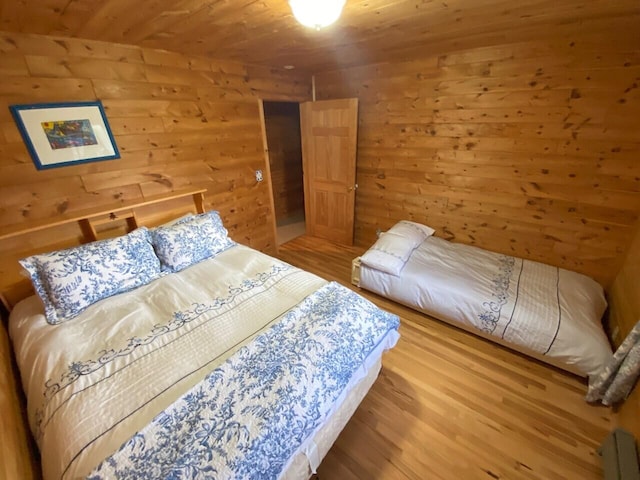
[60, 134]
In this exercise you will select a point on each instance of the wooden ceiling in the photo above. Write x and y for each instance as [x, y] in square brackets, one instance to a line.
[264, 32]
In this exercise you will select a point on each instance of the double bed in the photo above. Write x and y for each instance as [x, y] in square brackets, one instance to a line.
[546, 312]
[236, 365]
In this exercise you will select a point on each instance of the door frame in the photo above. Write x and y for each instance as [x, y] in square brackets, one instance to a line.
[267, 173]
[267, 161]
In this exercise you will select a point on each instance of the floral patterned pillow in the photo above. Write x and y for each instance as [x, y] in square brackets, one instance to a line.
[68, 281]
[190, 241]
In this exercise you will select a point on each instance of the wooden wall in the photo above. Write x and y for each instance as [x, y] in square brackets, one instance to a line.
[178, 121]
[624, 311]
[285, 158]
[529, 149]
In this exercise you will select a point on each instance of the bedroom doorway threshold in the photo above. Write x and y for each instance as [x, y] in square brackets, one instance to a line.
[290, 228]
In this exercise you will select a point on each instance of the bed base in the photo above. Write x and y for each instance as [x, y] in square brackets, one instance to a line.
[18, 458]
[356, 263]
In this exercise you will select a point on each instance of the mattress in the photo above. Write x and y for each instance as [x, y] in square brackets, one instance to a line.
[115, 376]
[547, 312]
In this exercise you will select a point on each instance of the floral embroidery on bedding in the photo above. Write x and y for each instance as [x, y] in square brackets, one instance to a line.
[250, 415]
[490, 316]
[80, 368]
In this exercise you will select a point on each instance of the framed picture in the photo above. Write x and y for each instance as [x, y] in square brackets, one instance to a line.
[59, 134]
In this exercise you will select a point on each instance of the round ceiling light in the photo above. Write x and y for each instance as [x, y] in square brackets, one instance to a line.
[316, 13]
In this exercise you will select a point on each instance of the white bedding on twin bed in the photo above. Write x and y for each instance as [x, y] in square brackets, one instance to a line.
[546, 311]
[120, 336]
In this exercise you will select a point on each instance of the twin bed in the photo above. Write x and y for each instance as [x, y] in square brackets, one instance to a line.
[177, 353]
[548, 313]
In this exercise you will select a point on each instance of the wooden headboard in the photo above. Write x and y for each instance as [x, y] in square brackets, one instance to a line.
[24, 239]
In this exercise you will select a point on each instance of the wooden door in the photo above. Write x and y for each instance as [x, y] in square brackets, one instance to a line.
[329, 138]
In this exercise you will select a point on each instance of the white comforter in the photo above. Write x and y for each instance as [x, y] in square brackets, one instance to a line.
[537, 308]
[77, 373]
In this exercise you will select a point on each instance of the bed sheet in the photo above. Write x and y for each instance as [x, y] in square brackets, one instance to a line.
[551, 312]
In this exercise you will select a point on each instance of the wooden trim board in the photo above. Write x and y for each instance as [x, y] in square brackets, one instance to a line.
[267, 173]
[82, 215]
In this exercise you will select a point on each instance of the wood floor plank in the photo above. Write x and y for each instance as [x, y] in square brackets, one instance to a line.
[450, 405]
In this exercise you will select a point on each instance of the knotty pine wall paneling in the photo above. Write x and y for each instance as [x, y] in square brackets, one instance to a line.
[529, 149]
[178, 122]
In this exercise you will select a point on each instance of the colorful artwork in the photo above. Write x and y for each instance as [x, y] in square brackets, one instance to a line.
[69, 133]
[58, 134]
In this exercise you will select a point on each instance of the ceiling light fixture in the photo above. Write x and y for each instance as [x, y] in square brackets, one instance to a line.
[316, 13]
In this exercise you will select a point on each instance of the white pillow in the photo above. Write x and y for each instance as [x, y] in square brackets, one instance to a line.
[415, 232]
[390, 253]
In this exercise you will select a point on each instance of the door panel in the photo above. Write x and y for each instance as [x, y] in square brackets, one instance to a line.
[329, 140]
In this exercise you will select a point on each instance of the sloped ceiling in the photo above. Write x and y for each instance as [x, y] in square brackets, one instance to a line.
[265, 32]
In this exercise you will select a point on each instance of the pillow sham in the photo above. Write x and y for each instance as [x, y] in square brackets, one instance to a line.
[412, 231]
[390, 253]
[68, 281]
[190, 240]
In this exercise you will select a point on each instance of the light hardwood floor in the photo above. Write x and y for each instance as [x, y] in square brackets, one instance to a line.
[449, 405]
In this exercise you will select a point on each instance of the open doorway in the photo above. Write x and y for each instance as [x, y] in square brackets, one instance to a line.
[282, 128]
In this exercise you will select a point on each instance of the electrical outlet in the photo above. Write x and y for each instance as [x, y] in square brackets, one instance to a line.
[259, 176]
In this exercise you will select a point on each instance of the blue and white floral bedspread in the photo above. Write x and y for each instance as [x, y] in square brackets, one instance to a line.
[252, 413]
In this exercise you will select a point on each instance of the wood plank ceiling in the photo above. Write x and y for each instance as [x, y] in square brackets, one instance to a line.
[265, 33]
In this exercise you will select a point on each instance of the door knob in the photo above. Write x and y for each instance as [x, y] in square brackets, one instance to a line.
[351, 189]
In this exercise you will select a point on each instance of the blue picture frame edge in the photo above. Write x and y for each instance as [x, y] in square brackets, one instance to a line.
[15, 112]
